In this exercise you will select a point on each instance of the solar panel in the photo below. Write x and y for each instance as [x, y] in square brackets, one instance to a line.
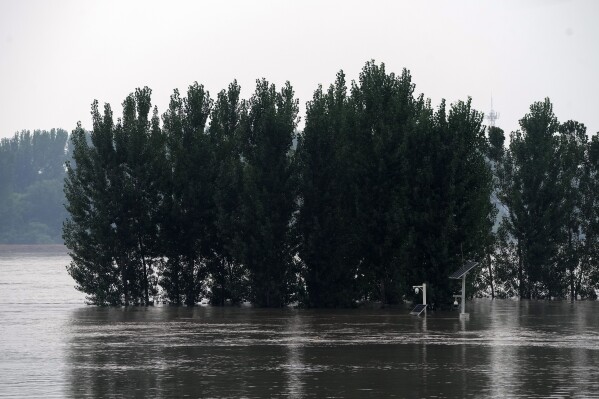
[418, 309]
[463, 270]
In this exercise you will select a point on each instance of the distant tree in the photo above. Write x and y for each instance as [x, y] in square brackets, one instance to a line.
[268, 204]
[31, 178]
[8, 213]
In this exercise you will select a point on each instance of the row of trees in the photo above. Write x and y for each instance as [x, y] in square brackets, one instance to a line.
[224, 198]
[31, 179]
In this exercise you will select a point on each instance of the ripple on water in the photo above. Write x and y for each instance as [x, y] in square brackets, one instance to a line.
[53, 346]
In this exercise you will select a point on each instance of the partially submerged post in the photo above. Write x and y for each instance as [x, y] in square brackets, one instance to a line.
[461, 274]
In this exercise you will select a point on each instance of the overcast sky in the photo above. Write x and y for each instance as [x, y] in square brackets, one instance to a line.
[56, 57]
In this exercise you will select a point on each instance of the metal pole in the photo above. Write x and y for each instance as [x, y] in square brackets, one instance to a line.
[464, 293]
[424, 296]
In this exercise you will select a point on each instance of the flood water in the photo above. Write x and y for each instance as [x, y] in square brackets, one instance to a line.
[53, 345]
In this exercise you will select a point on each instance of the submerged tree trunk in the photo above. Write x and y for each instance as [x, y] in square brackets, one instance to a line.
[190, 284]
[491, 275]
[145, 276]
[125, 285]
[520, 274]
[571, 266]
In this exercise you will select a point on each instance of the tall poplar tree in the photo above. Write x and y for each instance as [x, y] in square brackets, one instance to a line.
[136, 144]
[449, 189]
[268, 247]
[383, 105]
[534, 197]
[188, 205]
[228, 275]
[111, 198]
[326, 221]
[572, 153]
[587, 283]
[98, 266]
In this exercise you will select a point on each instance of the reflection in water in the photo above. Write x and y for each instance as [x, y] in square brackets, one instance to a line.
[294, 367]
[506, 349]
[504, 365]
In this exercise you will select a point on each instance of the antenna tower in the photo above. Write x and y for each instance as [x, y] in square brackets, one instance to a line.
[493, 116]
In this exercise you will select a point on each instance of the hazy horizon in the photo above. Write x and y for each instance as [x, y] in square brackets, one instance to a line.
[57, 57]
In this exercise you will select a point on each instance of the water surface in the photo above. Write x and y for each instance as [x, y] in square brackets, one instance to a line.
[52, 345]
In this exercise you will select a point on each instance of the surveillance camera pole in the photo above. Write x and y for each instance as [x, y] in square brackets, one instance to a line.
[461, 274]
[462, 296]
[423, 288]
[463, 304]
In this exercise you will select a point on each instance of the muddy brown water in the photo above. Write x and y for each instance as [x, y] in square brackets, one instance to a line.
[53, 345]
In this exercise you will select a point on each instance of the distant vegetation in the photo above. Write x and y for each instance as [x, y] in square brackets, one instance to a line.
[32, 171]
[224, 198]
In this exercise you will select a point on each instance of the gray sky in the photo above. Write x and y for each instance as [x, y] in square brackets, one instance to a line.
[56, 57]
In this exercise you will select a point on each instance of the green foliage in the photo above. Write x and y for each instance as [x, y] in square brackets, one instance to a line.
[111, 231]
[383, 109]
[383, 192]
[187, 209]
[392, 193]
[267, 128]
[228, 276]
[532, 195]
[547, 185]
[327, 216]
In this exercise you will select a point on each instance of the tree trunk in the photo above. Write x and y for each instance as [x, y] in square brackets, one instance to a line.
[222, 282]
[190, 286]
[572, 266]
[125, 285]
[491, 275]
[520, 276]
[143, 262]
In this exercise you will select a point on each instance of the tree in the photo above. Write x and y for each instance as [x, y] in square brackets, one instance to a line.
[534, 197]
[188, 196]
[268, 125]
[111, 199]
[588, 278]
[326, 220]
[89, 232]
[228, 275]
[383, 106]
[449, 193]
[31, 179]
[572, 153]
[137, 195]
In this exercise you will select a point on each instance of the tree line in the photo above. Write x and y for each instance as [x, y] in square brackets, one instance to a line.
[224, 198]
[31, 179]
